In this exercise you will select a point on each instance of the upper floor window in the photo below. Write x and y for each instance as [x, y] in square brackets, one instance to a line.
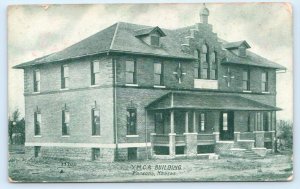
[242, 51]
[36, 80]
[154, 40]
[264, 82]
[214, 66]
[158, 73]
[64, 77]
[204, 62]
[131, 121]
[37, 123]
[246, 80]
[95, 72]
[65, 122]
[197, 66]
[130, 72]
[95, 121]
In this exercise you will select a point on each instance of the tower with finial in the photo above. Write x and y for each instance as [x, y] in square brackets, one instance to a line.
[204, 13]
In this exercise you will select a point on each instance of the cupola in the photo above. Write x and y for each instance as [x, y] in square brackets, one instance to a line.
[204, 13]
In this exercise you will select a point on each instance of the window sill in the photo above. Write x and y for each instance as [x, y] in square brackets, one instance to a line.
[65, 136]
[37, 136]
[159, 86]
[94, 86]
[64, 89]
[96, 136]
[265, 92]
[131, 85]
[132, 136]
[36, 92]
[245, 91]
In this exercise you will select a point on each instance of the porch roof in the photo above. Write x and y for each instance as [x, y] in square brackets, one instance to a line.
[176, 100]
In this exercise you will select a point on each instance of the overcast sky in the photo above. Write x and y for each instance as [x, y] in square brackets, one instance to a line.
[34, 31]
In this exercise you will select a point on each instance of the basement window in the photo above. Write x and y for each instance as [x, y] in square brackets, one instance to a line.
[37, 151]
[95, 154]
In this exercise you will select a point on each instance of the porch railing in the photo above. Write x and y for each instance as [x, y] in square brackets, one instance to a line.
[206, 138]
[247, 136]
[180, 139]
[268, 136]
[161, 139]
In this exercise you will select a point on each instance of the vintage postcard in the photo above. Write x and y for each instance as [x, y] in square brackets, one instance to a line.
[150, 92]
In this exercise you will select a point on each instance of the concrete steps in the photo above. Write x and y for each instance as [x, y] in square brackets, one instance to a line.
[249, 154]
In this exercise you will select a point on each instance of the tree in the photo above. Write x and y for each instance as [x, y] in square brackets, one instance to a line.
[16, 125]
[285, 134]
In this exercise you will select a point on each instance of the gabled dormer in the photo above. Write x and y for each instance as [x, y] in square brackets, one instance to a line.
[239, 47]
[150, 35]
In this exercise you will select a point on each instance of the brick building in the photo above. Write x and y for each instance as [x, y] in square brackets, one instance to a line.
[136, 92]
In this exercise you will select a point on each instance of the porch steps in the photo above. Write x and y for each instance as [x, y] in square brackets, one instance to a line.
[249, 154]
[246, 153]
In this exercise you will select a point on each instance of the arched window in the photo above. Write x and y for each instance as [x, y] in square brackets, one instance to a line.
[204, 62]
[197, 64]
[214, 66]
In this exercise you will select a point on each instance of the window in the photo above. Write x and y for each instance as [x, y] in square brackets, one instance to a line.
[95, 72]
[95, 153]
[36, 80]
[131, 121]
[242, 51]
[159, 123]
[65, 122]
[37, 123]
[130, 72]
[202, 121]
[64, 77]
[204, 62]
[214, 66]
[158, 73]
[225, 122]
[266, 120]
[132, 153]
[264, 82]
[95, 121]
[197, 65]
[155, 40]
[246, 80]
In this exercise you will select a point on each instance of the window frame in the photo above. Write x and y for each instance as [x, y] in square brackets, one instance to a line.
[265, 84]
[94, 73]
[133, 72]
[96, 124]
[64, 78]
[160, 75]
[204, 61]
[214, 66]
[154, 40]
[131, 121]
[246, 81]
[157, 123]
[65, 122]
[37, 123]
[36, 80]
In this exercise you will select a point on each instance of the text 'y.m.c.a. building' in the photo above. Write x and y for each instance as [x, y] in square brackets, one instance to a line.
[136, 92]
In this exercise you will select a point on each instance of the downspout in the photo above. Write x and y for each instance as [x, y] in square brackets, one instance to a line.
[115, 107]
[146, 132]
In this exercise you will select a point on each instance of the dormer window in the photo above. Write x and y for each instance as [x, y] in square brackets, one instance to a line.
[242, 51]
[150, 35]
[154, 40]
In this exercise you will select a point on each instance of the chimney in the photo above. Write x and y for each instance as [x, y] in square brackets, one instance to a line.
[204, 13]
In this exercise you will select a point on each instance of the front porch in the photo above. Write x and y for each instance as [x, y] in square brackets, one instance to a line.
[191, 130]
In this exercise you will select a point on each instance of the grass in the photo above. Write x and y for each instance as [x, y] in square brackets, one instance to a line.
[272, 168]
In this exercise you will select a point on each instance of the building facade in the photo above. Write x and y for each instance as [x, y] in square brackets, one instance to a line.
[139, 92]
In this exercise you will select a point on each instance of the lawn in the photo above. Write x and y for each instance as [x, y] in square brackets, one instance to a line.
[272, 168]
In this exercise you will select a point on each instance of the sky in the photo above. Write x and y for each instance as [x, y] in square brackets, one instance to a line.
[35, 31]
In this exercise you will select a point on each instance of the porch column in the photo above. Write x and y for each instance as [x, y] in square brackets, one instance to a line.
[152, 140]
[194, 122]
[186, 122]
[190, 138]
[172, 135]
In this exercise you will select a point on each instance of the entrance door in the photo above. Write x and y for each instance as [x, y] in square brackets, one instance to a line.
[226, 126]
[132, 153]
